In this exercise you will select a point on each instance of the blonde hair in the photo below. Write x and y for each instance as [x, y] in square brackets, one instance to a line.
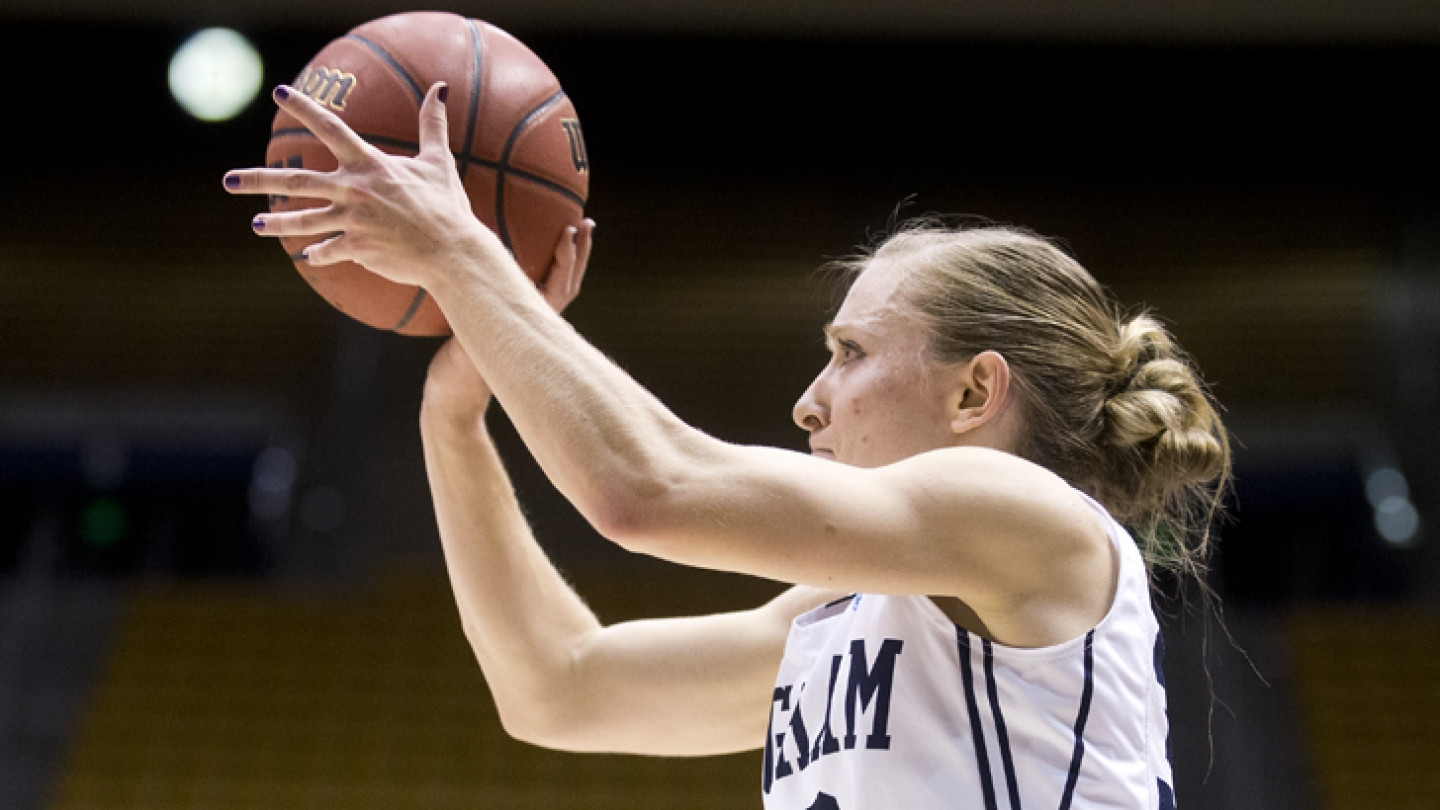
[1109, 402]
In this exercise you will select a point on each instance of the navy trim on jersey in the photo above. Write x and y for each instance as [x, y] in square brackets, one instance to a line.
[1004, 737]
[981, 754]
[1080, 718]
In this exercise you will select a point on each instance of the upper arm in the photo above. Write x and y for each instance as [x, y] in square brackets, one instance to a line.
[978, 524]
[687, 686]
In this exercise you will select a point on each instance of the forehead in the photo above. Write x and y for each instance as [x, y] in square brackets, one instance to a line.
[873, 298]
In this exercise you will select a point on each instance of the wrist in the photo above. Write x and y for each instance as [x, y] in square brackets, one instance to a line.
[444, 410]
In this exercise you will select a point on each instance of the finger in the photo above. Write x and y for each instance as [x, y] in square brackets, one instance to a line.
[305, 222]
[585, 240]
[338, 137]
[289, 182]
[327, 251]
[556, 284]
[434, 124]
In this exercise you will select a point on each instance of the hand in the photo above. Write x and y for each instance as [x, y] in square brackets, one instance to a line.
[407, 219]
[572, 255]
[453, 385]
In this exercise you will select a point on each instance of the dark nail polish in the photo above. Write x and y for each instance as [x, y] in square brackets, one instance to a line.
[574, 237]
[231, 181]
[258, 223]
[282, 92]
[443, 94]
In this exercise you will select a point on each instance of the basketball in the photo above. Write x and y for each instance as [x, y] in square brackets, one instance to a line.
[513, 131]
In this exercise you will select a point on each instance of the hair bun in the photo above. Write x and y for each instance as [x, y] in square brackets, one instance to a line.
[1161, 409]
[1141, 339]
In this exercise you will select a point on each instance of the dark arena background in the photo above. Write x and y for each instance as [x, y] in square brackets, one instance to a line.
[220, 581]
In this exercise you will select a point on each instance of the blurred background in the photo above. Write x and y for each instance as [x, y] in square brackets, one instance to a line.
[220, 582]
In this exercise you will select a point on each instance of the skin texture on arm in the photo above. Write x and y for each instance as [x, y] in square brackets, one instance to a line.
[1010, 539]
[686, 686]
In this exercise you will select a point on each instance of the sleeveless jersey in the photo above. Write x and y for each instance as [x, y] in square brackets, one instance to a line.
[883, 702]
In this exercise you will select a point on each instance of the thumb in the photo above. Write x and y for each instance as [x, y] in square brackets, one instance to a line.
[434, 125]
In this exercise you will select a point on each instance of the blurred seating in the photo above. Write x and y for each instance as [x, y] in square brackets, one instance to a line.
[224, 696]
[1368, 687]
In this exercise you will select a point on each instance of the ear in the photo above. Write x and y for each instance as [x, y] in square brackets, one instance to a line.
[982, 394]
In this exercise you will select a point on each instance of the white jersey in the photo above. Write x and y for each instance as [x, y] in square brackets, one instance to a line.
[883, 702]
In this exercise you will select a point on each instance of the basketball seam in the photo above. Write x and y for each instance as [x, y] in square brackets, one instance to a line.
[415, 88]
[476, 81]
[413, 308]
[504, 229]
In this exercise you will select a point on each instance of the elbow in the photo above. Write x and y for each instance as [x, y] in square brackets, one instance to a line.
[634, 518]
[541, 707]
[641, 510]
[620, 517]
[650, 500]
[552, 724]
[529, 727]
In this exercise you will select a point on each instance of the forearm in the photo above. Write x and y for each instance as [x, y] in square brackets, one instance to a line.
[524, 623]
[671, 687]
[604, 441]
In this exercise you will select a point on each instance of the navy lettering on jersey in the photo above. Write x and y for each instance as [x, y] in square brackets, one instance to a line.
[776, 766]
[824, 801]
[867, 686]
[825, 742]
[799, 734]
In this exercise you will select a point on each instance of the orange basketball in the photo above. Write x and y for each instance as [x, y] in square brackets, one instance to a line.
[514, 133]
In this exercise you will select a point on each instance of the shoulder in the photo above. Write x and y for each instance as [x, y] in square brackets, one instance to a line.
[1008, 493]
[1037, 560]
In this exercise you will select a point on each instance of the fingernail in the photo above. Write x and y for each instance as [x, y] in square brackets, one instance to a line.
[281, 92]
[258, 223]
[232, 181]
[444, 93]
[574, 236]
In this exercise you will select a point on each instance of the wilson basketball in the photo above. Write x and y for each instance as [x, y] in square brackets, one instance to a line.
[516, 139]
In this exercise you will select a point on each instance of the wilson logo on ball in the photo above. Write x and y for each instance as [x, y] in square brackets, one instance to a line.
[328, 86]
[577, 144]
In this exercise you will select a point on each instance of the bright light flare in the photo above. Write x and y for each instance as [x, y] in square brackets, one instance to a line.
[215, 74]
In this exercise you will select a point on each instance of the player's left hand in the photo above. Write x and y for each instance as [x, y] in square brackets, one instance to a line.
[561, 283]
[407, 219]
[453, 387]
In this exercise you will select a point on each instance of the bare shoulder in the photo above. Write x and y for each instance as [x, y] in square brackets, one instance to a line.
[1028, 537]
[1005, 491]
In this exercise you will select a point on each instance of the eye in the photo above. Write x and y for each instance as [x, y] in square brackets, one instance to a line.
[848, 350]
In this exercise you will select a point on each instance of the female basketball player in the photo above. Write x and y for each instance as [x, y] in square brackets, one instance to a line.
[970, 622]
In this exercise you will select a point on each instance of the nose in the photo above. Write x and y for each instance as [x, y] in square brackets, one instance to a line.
[811, 413]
